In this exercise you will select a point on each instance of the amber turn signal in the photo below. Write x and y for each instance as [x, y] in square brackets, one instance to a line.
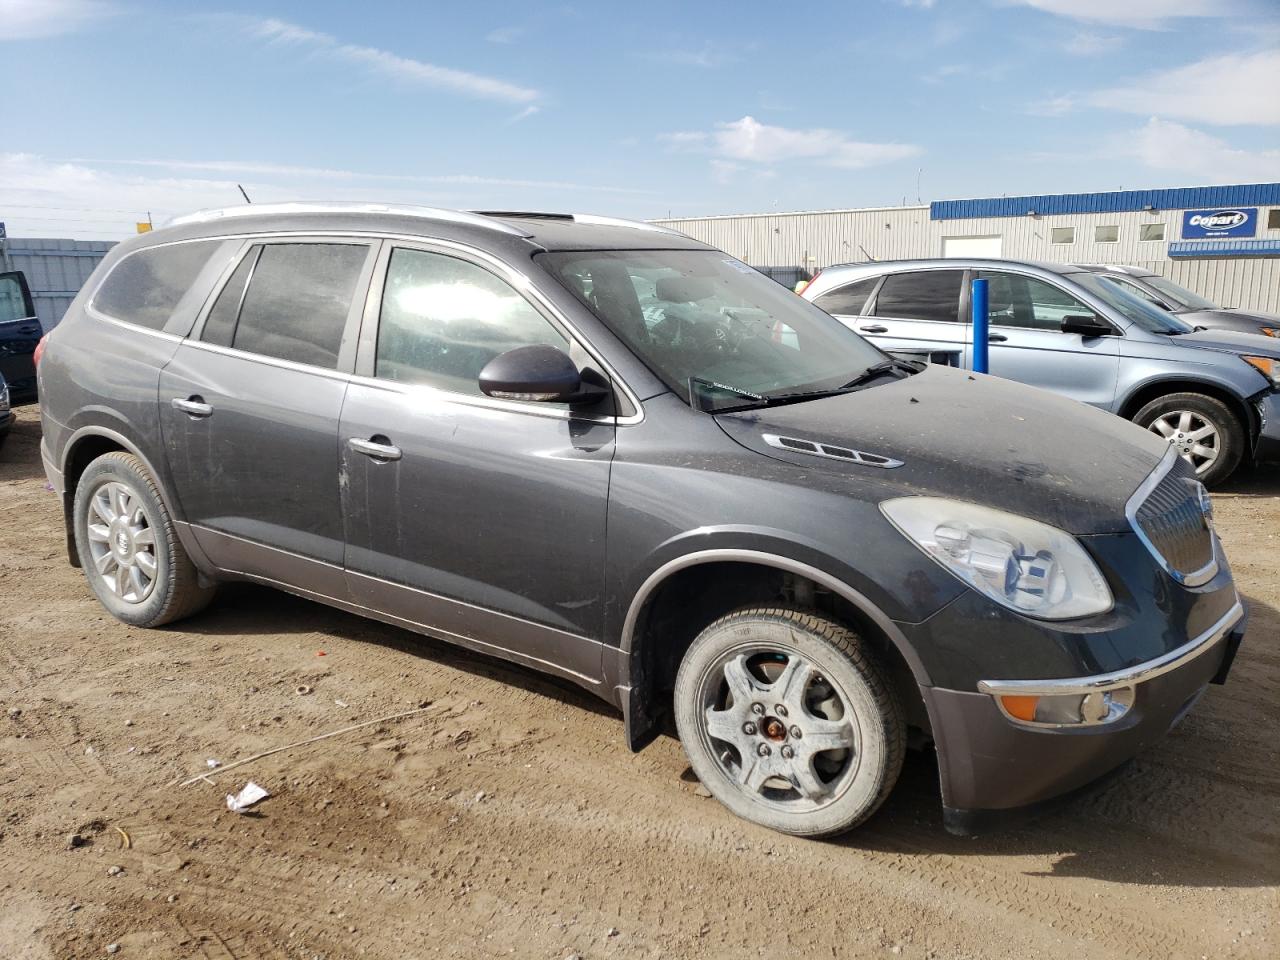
[1023, 708]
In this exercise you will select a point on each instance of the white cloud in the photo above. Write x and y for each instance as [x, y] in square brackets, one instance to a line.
[1086, 44]
[1052, 107]
[922, 4]
[752, 141]
[1143, 14]
[1165, 145]
[390, 64]
[31, 19]
[102, 199]
[505, 34]
[1231, 89]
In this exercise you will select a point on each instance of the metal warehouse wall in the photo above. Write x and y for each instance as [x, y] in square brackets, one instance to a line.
[889, 233]
[55, 270]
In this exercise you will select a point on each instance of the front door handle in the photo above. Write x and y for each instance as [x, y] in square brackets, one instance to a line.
[194, 407]
[996, 337]
[874, 328]
[377, 447]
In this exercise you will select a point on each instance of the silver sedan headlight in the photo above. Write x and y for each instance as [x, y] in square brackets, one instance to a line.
[1025, 565]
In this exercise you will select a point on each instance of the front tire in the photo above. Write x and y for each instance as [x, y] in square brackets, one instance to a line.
[128, 548]
[790, 721]
[1201, 428]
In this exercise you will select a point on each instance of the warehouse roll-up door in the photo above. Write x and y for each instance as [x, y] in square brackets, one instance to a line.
[988, 246]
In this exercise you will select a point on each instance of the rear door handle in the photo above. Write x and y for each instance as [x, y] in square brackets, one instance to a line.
[374, 448]
[874, 328]
[193, 407]
[997, 337]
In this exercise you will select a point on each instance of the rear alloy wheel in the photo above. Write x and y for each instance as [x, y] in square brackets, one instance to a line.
[1202, 429]
[789, 721]
[127, 545]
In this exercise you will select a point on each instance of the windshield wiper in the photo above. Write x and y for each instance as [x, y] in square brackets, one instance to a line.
[873, 371]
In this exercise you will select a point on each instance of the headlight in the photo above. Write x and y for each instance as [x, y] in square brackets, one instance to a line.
[1025, 565]
[1266, 366]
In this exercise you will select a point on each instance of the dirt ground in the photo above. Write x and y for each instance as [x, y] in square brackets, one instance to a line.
[508, 819]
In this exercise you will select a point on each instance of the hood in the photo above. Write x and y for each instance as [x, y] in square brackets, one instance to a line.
[970, 437]
[1230, 318]
[1231, 341]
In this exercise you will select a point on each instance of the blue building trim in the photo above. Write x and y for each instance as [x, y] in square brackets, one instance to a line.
[1225, 248]
[1119, 201]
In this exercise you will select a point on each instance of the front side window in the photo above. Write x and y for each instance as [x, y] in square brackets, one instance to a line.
[1062, 235]
[847, 301]
[1109, 233]
[1014, 300]
[923, 295]
[716, 332]
[145, 287]
[443, 319]
[296, 304]
[1132, 288]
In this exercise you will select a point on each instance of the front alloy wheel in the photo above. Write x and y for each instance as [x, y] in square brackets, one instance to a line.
[789, 721]
[1194, 437]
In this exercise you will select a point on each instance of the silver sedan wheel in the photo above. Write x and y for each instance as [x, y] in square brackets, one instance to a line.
[781, 731]
[122, 542]
[1194, 437]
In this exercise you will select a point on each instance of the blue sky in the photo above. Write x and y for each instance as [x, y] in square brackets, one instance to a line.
[118, 108]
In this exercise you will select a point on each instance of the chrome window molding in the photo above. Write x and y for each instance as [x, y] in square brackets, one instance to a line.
[98, 315]
[1140, 673]
[1197, 577]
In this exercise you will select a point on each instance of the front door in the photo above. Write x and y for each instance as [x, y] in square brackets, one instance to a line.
[249, 409]
[482, 520]
[1027, 343]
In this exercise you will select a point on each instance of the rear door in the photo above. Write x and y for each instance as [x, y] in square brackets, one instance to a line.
[249, 408]
[19, 334]
[919, 312]
[1025, 314]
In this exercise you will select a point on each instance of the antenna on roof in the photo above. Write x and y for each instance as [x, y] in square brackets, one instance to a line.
[243, 194]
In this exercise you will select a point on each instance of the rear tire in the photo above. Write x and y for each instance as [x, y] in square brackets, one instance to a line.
[128, 548]
[790, 721]
[1203, 429]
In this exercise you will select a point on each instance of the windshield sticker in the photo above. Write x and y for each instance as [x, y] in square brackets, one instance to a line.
[740, 266]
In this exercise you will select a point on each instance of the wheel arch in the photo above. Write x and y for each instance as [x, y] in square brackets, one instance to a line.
[1151, 390]
[641, 684]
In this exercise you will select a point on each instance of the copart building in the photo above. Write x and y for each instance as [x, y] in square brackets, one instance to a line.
[1222, 242]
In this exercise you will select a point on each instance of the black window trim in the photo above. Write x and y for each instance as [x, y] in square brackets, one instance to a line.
[350, 330]
[521, 283]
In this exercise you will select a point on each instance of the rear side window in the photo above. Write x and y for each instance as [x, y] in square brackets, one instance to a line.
[926, 295]
[145, 286]
[296, 304]
[847, 301]
[443, 319]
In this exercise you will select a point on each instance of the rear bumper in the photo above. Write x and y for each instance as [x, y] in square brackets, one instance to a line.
[51, 470]
[994, 769]
[1266, 448]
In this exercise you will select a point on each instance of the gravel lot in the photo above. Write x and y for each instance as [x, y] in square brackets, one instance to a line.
[507, 818]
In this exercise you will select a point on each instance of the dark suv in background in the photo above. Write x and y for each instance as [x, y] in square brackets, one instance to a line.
[19, 333]
[609, 452]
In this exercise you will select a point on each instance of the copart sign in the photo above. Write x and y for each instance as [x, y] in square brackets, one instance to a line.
[1210, 224]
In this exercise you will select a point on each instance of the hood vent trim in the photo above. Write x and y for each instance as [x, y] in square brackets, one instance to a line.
[830, 451]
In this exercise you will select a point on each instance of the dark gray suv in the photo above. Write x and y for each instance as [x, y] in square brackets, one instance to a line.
[609, 452]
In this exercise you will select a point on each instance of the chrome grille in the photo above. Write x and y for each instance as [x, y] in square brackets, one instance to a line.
[1172, 517]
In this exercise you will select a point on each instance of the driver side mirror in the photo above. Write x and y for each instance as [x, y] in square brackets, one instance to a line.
[1087, 325]
[540, 373]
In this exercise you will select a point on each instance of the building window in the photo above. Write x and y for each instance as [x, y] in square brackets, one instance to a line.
[1151, 231]
[1106, 234]
[1062, 235]
[1273, 219]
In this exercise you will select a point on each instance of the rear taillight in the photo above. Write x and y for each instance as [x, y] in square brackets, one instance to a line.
[39, 351]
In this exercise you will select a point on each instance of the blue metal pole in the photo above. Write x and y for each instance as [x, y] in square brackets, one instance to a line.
[979, 326]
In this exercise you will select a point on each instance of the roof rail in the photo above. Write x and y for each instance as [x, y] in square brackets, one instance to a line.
[592, 219]
[348, 206]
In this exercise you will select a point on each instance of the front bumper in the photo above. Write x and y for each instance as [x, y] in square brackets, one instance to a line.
[994, 769]
[1266, 447]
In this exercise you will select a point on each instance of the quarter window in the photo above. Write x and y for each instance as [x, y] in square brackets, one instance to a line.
[1107, 233]
[444, 318]
[1062, 235]
[924, 295]
[1014, 300]
[847, 301]
[145, 287]
[1151, 231]
[297, 302]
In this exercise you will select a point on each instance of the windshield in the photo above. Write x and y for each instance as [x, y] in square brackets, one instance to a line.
[1181, 298]
[701, 320]
[1145, 314]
